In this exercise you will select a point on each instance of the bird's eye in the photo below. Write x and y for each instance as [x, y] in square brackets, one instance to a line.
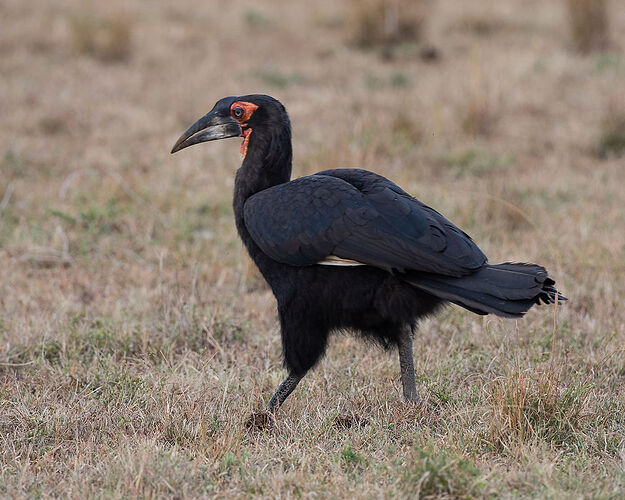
[237, 112]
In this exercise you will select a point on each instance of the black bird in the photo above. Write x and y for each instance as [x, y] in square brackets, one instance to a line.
[349, 249]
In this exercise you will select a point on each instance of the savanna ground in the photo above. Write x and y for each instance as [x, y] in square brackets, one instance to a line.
[136, 338]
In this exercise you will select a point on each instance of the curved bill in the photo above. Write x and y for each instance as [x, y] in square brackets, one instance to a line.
[208, 128]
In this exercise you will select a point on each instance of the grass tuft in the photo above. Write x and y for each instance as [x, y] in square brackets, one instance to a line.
[481, 25]
[473, 161]
[437, 473]
[611, 141]
[385, 23]
[351, 458]
[588, 24]
[278, 79]
[107, 39]
[479, 114]
[538, 406]
[256, 19]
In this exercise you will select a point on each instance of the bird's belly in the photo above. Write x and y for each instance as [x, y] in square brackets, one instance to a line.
[359, 297]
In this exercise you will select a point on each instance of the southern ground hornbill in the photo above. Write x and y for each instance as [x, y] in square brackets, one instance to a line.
[348, 249]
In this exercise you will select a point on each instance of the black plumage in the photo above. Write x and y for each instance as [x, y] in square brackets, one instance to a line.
[390, 258]
[357, 215]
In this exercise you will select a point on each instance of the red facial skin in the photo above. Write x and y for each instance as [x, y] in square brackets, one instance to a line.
[248, 110]
[246, 139]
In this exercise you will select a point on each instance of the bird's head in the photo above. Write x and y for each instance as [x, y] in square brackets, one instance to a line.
[235, 117]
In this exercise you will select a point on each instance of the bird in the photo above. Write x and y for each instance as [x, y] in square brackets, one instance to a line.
[348, 250]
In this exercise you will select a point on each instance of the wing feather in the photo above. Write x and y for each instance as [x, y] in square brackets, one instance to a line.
[359, 216]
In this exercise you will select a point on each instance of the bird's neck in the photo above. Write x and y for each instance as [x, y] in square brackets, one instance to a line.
[267, 163]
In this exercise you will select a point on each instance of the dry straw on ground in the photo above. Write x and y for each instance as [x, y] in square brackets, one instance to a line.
[135, 339]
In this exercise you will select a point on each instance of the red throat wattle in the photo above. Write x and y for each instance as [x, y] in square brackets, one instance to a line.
[246, 139]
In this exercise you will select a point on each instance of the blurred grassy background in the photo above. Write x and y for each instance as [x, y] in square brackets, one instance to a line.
[135, 335]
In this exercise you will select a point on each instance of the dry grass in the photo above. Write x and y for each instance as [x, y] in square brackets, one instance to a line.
[385, 23]
[108, 39]
[589, 24]
[479, 116]
[611, 140]
[535, 406]
[136, 339]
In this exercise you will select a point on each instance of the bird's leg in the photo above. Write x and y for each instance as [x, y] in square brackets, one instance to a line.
[406, 363]
[282, 392]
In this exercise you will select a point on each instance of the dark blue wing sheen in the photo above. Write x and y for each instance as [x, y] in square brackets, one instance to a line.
[356, 214]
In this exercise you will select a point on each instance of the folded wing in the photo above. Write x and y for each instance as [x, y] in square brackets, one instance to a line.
[361, 216]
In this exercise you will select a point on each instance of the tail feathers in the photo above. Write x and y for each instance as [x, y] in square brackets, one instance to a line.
[508, 289]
